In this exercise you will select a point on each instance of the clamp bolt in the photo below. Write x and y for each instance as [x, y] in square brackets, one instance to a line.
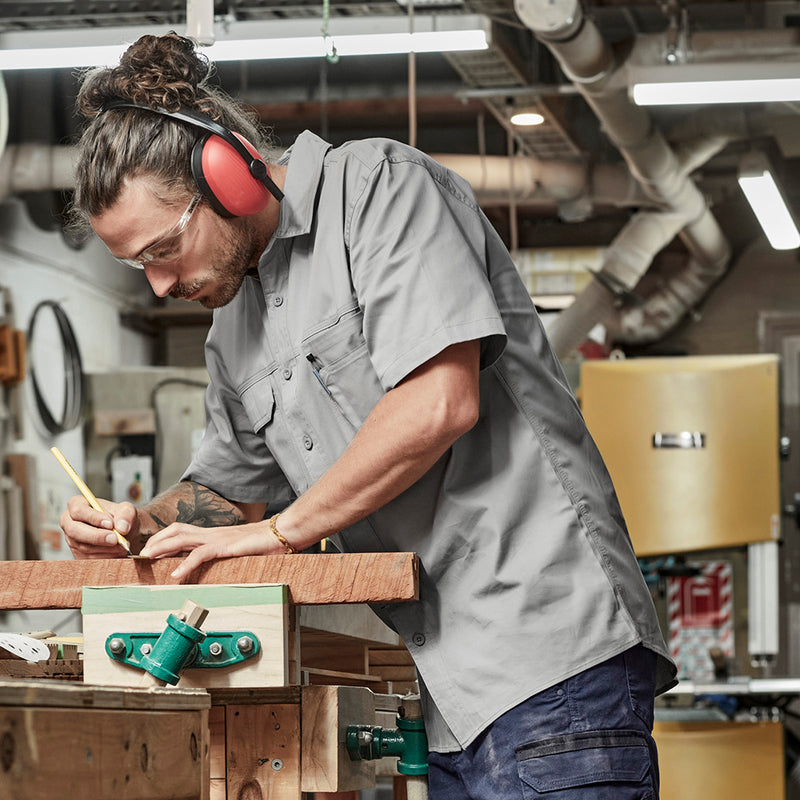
[146, 649]
[215, 649]
[116, 646]
[245, 644]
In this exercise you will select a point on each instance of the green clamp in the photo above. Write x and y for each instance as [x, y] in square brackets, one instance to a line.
[408, 742]
[181, 646]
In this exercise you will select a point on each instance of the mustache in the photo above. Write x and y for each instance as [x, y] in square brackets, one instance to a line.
[184, 290]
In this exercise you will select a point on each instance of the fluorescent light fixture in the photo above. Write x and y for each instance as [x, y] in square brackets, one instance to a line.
[768, 205]
[708, 83]
[525, 118]
[246, 41]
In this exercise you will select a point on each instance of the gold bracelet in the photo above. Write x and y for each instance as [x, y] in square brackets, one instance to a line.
[273, 526]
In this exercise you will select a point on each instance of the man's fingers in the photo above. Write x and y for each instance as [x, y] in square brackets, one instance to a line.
[80, 511]
[125, 515]
[197, 557]
[174, 539]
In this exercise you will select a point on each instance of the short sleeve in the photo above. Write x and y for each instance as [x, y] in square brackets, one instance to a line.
[418, 259]
[233, 459]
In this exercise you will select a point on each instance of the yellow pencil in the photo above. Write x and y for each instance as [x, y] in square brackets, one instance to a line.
[86, 492]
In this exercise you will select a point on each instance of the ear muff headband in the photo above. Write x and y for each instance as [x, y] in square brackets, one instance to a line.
[216, 163]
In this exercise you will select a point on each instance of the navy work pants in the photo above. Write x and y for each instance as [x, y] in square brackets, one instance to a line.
[587, 738]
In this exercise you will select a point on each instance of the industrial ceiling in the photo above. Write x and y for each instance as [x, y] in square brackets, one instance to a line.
[461, 103]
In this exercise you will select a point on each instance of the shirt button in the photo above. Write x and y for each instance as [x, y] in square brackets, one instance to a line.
[278, 300]
[287, 373]
[418, 639]
[308, 442]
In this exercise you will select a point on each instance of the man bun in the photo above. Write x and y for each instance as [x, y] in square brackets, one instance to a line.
[156, 71]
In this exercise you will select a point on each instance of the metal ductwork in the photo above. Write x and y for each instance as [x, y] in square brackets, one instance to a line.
[520, 179]
[36, 167]
[589, 62]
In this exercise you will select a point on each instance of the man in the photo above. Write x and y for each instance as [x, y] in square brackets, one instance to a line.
[379, 376]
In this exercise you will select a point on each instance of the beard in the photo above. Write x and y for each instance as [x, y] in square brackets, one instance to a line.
[231, 260]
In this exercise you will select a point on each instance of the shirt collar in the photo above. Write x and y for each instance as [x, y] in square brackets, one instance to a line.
[304, 160]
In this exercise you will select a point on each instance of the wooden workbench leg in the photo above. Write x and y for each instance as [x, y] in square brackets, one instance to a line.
[218, 775]
[263, 752]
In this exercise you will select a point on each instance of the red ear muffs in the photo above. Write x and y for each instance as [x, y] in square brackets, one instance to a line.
[227, 169]
[229, 183]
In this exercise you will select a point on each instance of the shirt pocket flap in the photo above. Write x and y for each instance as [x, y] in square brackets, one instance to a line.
[582, 759]
[259, 403]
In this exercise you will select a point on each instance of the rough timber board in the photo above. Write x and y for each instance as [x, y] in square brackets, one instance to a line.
[326, 713]
[262, 745]
[76, 695]
[318, 578]
[143, 609]
[96, 744]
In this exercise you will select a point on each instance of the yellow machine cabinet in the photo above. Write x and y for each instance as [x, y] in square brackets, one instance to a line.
[692, 445]
[720, 760]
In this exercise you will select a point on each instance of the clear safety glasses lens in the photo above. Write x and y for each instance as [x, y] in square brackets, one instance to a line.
[160, 251]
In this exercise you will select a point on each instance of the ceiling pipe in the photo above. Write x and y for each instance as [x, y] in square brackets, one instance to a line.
[36, 167]
[589, 62]
[538, 179]
[709, 46]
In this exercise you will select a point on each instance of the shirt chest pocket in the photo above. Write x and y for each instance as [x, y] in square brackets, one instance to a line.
[258, 402]
[340, 359]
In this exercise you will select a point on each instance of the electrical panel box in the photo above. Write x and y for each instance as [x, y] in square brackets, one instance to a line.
[692, 445]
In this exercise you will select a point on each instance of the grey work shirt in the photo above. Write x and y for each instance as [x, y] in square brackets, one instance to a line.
[381, 260]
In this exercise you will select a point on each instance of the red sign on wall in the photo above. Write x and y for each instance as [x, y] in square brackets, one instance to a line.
[701, 617]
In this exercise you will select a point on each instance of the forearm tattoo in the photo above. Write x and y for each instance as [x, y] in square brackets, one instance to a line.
[188, 502]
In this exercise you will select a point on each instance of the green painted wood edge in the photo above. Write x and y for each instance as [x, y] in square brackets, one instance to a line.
[121, 599]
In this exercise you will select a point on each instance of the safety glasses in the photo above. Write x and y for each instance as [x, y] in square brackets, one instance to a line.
[168, 247]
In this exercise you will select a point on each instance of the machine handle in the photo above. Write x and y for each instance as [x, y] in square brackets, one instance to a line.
[685, 440]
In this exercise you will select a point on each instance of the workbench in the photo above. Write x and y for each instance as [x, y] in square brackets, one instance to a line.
[342, 667]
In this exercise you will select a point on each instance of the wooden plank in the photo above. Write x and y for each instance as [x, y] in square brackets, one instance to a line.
[357, 621]
[334, 652]
[124, 423]
[390, 657]
[96, 754]
[263, 751]
[319, 578]
[22, 468]
[319, 676]
[272, 695]
[326, 713]
[76, 695]
[216, 748]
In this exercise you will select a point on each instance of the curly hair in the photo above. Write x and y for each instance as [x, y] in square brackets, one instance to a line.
[156, 71]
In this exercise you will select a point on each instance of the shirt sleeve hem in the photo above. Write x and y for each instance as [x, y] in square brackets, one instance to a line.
[490, 330]
[237, 493]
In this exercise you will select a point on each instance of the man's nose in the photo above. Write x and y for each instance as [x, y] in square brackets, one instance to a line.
[161, 279]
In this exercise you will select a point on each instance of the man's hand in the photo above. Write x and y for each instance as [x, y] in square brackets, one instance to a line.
[90, 533]
[206, 544]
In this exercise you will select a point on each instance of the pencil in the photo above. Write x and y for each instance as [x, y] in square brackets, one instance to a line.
[86, 492]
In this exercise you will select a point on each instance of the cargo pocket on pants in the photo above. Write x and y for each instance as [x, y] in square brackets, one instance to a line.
[602, 765]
